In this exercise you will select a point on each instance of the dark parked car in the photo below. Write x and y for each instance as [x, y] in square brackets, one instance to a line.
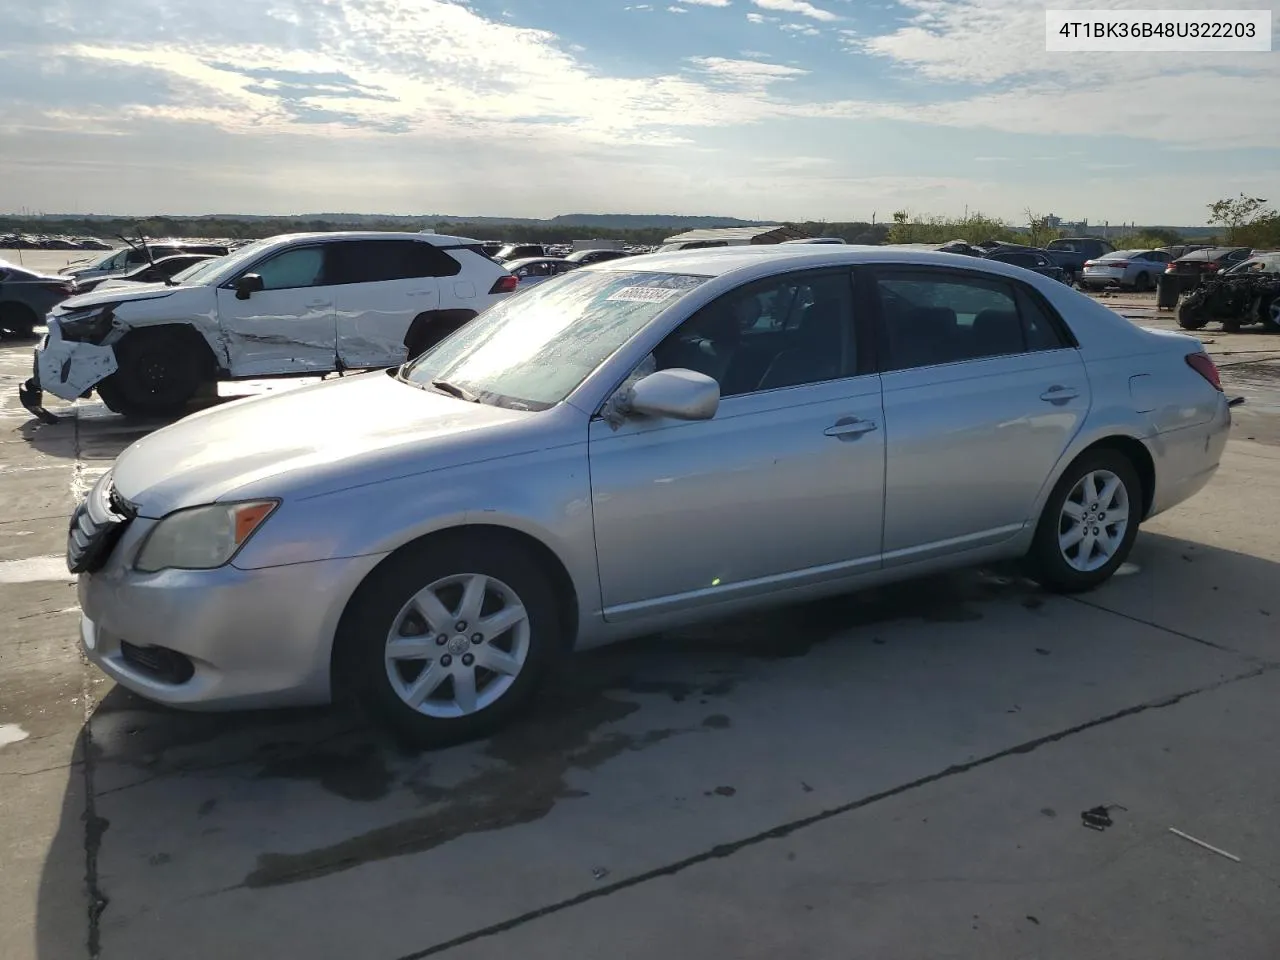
[163, 269]
[26, 296]
[1177, 250]
[1070, 253]
[1193, 268]
[585, 257]
[1032, 259]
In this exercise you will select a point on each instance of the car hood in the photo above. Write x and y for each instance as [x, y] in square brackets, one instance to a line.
[330, 435]
[137, 291]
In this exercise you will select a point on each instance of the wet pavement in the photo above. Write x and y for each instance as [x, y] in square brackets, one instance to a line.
[897, 773]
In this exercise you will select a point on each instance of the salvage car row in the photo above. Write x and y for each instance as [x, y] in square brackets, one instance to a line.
[621, 448]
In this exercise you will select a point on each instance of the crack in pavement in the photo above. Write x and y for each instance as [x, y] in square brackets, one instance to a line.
[723, 850]
[1177, 633]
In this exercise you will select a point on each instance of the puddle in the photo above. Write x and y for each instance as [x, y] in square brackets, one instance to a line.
[35, 570]
[11, 733]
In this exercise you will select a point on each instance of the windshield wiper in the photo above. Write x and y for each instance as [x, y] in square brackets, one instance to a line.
[462, 393]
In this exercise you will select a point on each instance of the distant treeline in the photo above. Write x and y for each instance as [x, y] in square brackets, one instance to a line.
[235, 228]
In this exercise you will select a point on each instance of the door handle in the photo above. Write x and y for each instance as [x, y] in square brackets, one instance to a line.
[849, 428]
[318, 303]
[1057, 394]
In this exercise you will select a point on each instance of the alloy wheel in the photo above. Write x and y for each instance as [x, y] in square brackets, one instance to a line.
[457, 645]
[1094, 519]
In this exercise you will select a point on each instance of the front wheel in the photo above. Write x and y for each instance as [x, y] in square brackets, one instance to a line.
[158, 373]
[1089, 523]
[450, 638]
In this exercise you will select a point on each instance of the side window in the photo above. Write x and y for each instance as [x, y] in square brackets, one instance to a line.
[134, 258]
[375, 261]
[929, 318]
[782, 332]
[302, 267]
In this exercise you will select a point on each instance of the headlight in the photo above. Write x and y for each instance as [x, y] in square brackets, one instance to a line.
[202, 538]
[91, 324]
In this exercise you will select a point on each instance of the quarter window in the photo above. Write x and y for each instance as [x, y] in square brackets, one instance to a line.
[928, 318]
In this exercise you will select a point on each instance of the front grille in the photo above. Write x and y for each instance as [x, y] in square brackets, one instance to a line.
[96, 526]
[159, 662]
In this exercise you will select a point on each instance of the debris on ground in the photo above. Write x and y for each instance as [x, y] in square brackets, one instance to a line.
[1201, 843]
[1099, 818]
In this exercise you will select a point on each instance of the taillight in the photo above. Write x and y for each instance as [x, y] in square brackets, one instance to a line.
[505, 284]
[1203, 365]
[1091, 263]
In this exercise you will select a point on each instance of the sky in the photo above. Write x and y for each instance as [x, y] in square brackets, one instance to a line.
[760, 109]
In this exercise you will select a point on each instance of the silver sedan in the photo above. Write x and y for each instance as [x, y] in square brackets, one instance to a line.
[626, 448]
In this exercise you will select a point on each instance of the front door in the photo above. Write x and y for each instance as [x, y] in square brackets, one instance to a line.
[983, 392]
[783, 486]
[288, 327]
[381, 286]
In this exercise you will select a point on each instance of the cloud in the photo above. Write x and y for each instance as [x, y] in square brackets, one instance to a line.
[802, 29]
[797, 6]
[996, 48]
[676, 10]
[709, 3]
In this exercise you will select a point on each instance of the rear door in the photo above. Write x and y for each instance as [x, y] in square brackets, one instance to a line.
[288, 327]
[983, 391]
[381, 286]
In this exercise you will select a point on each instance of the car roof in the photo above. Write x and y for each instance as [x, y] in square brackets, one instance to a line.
[438, 239]
[1208, 253]
[749, 262]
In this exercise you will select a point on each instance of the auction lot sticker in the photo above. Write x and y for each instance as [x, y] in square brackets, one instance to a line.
[1157, 31]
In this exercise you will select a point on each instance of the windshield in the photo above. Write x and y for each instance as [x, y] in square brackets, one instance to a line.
[193, 273]
[219, 268]
[531, 350]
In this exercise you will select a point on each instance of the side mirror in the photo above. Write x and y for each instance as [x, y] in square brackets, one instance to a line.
[678, 394]
[248, 285]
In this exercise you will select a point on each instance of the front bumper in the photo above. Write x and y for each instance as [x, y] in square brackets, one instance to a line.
[252, 638]
[65, 368]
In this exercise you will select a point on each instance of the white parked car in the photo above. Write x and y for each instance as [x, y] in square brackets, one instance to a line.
[292, 304]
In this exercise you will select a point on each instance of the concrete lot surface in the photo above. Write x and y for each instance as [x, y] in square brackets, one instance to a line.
[896, 774]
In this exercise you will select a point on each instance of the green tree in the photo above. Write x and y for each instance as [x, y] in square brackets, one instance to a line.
[1248, 220]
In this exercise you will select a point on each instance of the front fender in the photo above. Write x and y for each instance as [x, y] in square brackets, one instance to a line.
[545, 495]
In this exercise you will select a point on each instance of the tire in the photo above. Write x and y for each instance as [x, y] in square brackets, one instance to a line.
[1142, 283]
[1191, 316]
[1270, 314]
[1066, 569]
[17, 319]
[158, 373]
[443, 566]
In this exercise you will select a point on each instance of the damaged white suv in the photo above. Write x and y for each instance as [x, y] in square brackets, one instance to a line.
[295, 304]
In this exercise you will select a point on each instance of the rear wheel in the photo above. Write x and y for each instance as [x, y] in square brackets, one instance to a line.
[450, 638]
[1142, 282]
[158, 373]
[1089, 523]
[17, 319]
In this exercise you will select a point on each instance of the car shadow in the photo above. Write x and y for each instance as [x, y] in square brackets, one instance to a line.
[129, 743]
